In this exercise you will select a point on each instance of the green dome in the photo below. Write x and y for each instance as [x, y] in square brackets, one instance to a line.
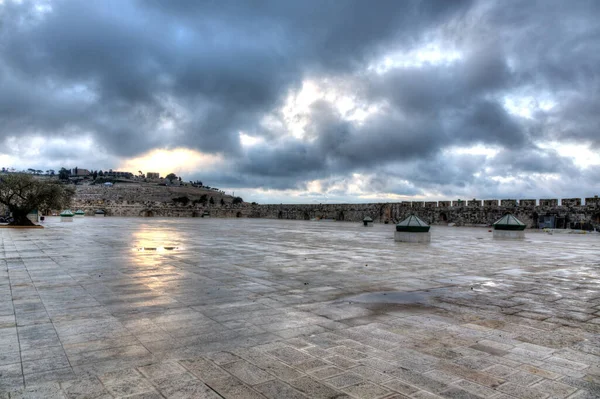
[413, 224]
[67, 213]
[80, 212]
[367, 219]
[509, 222]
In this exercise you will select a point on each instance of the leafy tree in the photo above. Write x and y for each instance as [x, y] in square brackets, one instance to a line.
[211, 201]
[237, 200]
[222, 202]
[22, 193]
[31, 170]
[203, 199]
[95, 174]
[64, 174]
[171, 176]
[100, 173]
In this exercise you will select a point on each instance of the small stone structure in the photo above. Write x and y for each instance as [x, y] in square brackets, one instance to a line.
[99, 213]
[368, 221]
[508, 226]
[412, 229]
[66, 216]
[34, 216]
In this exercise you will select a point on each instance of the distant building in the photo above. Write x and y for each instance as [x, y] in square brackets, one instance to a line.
[115, 173]
[153, 175]
[80, 172]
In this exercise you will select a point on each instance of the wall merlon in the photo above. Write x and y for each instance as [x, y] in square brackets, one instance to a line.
[549, 202]
[570, 201]
[530, 203]
[508, 202]
[490, 203]
[592, 201]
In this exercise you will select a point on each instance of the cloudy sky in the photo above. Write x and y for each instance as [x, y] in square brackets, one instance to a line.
[310, 100]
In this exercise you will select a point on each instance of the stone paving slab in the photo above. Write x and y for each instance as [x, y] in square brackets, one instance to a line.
[276, 309]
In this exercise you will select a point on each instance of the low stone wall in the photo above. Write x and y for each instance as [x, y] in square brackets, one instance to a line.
[157, 209]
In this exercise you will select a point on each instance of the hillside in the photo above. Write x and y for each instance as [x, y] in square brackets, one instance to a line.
[136, 191]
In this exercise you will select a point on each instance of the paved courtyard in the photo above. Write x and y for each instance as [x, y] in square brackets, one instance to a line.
[244, 308]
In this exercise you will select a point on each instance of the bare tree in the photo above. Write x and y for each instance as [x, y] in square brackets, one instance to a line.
[22, 193]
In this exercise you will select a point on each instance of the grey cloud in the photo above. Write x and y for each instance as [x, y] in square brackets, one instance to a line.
[238, 57]
[533, 160]
[488, 122]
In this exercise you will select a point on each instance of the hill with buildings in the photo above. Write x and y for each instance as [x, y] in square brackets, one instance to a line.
[117, 193]
[140, 196]
[141, 191]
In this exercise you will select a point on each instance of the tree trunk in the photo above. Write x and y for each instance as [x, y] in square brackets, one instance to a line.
[21, 219]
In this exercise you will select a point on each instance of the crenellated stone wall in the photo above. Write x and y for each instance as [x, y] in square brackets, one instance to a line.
[570, 212]
[565, 213]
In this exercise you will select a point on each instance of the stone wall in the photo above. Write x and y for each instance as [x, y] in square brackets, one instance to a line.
[126, 202]
[470, 213]
[157, 208]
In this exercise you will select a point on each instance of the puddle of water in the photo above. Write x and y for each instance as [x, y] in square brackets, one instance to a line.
[418, 298]
[396, 297]
[157, 249]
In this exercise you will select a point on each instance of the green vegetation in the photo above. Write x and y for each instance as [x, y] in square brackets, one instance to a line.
[64, 174]
[203, 200]
[183, 200]
[171, 176]
[22, 193]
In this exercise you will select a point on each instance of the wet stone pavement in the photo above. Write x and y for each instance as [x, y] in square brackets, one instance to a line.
[243, 308]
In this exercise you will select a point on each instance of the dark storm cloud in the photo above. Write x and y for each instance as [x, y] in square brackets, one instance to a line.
[437, 173]
[144, 74]
[430, 89]
[533, 160]
[555, 50]
[322, 34]
[431, 107]
[226, 63]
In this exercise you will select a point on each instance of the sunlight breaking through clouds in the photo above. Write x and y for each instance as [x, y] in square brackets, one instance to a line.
[178, 161]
